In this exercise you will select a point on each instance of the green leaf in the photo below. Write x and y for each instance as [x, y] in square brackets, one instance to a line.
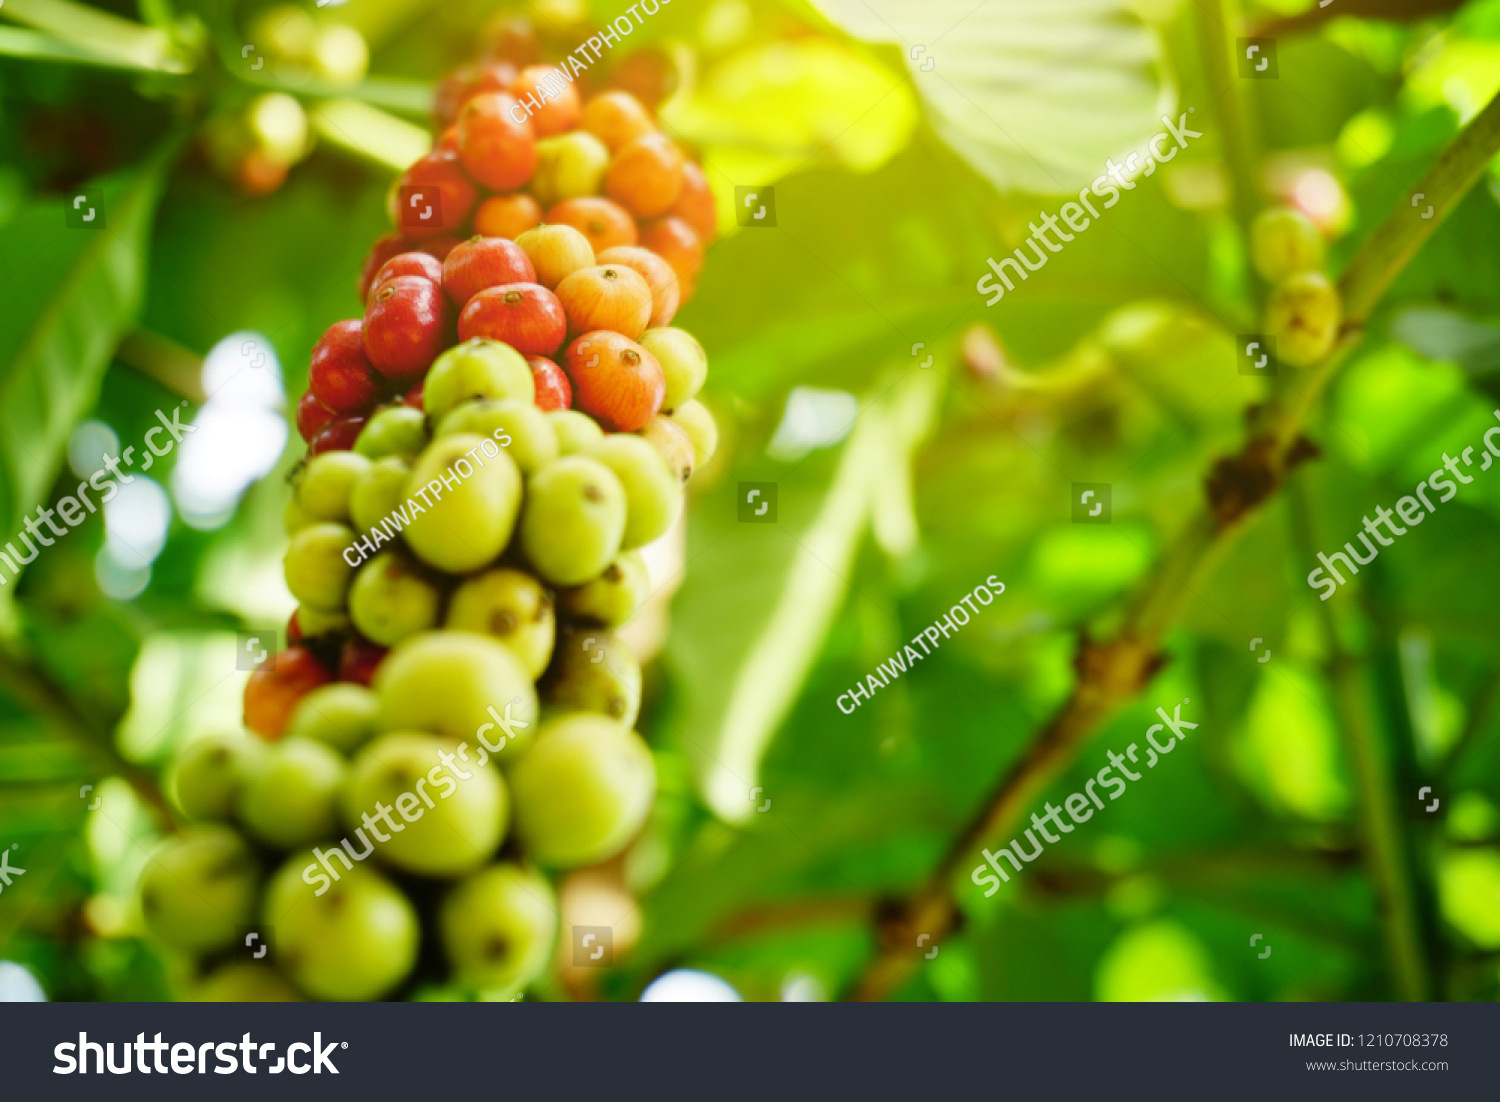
[67, 307]
[1033, 94]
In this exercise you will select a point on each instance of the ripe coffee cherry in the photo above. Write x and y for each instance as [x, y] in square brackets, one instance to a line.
[482, 262]
[453, 683]
[583, 791]
[569, 166]
[290, 797]
[606, 297]
[592, 671]
[507, 216]
[684, 364]
[615, 381]
[396, 430]
[695, 203]
[405, 324]
[339, 715]
[478, 368]
[673, 444]
[653, 492]
[532, 443]
[511, 606]
[605, 224]
[613, 597]
[353, 938]
[648, 74]
[575, 431]
[339, 373]
[312, 415]
[526, 316]
[498, 927]
[1283, 242]
[359, 661]
[245, 983]
[573, 520]
[556, 252]
[413, 397]
[324, 486]
[394, 244]
[466, 81]
[316, 572]
[198, 887]
[560, 112]
[413, 264]
[674, 241]
[469, 810]
[209, 772]
[443, 170]
[553, 391]
[379, 492]
[694, 417]
[465, 526]
[391, 600]
[617, 119]
[1303, 314]
[275, 688]
[338, 435]
[658, 275]
[645, 176]
[498, 151]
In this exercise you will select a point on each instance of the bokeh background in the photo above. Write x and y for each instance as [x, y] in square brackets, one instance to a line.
[905, 141]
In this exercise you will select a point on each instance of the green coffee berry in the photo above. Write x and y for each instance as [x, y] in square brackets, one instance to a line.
[316, 571]
[478, 368]
[1303, 315]
[245, 983]
[568, 166]
[342, 715]
[392, 599]
[1283, 242]
[673, 444]
[498, 927]
[593, 671]
[694, 417]
[315, 621]
[290, 797]
[573, 520]
[209, 772]
[471, 501]
[653, 493]
[518, 426]
[326, 482]
[611, 598]
[198, 887]
[575, 430]
[683, 362]
[380, 492]
[513, 607]
[399, 430]
[294, 518]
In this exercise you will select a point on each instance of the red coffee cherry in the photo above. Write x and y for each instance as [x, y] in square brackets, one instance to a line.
[672, 239]
[443, 170]
[464, 83]
[507, 216]
[482, 262]
[293, 629]
[312, 415]
[413, 397]
[413, 264]
[497, 150]
[609, 296]
[512, 38]
[274, 689]
[393, 244]
[604, 223]
[553, 390]
[338, 435]
[359, 660]
[615, 381]
[340, 374]
[645, 176]
[526, 316]
[405, 324]
[563, 107]
[695, 203]
[617, 119]
[658, 274]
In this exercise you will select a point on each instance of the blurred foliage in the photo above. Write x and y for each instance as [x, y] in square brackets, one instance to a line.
[894, 183]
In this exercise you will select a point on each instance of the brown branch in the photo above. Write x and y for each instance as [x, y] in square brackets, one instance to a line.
[1111, 672]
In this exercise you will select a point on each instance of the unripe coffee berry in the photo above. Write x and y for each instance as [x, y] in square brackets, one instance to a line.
[609, 296]
[324, 485]
[497, 150]
[340, 374]
[645, 176]
[556, 251]
[1283, 242]
[604, 223]
[575, 431]
[396, 430]
[478, 368]
[405, 325]
[569, 166]
[507, 215]
[317, 572]
[1303, 315]
[615, 381]
[653, 492]
[511, 606]
[695, 419]
[572, 520]
[659, 277]
[684, 364]
[526, 316]
[482, 262]
[673, 444]
[391, 599]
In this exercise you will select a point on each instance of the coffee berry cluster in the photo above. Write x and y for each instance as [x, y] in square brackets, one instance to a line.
[1303, 313]
[489, 446]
